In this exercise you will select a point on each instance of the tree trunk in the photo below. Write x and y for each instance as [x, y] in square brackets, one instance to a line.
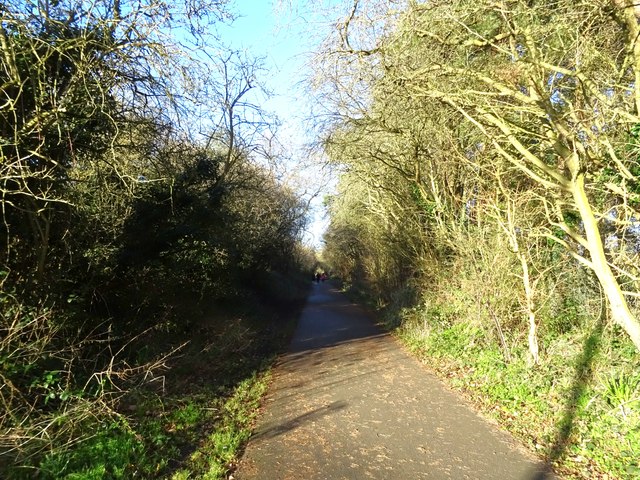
[531, 314]
[617, 302]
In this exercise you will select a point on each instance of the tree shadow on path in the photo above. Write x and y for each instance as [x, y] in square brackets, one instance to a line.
[301, 419]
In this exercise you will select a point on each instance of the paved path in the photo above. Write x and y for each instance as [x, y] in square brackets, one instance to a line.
[347, 402]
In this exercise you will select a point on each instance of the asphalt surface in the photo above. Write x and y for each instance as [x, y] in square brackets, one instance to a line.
[347, 402]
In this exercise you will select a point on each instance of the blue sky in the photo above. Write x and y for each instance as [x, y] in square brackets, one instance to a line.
[266, 31]
[284, 33]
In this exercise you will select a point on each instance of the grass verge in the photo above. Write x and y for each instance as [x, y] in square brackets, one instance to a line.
[579, 410]
[192, 419]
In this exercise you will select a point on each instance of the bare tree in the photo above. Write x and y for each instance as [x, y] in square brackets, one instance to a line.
[557, 111]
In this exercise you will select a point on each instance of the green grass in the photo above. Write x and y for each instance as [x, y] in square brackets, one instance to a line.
[109, 453]
[217, 453]
[190, 436]
[579, 410]
[194, 419]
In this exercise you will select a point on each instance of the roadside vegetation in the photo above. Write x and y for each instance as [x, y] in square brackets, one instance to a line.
[151, 257]
[487, 207]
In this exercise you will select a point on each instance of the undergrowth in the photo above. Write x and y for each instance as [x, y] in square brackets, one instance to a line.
[578, 410]
[190, 418]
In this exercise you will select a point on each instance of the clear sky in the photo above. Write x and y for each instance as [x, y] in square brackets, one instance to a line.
[284, 33]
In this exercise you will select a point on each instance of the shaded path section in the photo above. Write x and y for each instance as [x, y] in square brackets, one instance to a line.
[347, 402]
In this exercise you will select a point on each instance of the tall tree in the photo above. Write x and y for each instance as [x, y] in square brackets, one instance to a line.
[543, 92]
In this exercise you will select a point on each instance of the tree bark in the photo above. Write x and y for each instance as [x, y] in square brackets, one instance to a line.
[617, 302]
[534, 350]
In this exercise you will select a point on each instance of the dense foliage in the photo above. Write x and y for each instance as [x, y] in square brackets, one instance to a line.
[488, 201]
[132, 201]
